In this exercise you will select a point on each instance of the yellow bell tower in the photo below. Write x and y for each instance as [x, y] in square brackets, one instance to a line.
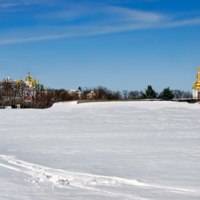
[34, 81]
[28, 80]
[196, 86]
[20, 80]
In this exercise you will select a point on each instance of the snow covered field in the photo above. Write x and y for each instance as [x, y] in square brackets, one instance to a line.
[113, 150]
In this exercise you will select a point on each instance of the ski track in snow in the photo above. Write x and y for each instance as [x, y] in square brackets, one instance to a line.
[61, 178]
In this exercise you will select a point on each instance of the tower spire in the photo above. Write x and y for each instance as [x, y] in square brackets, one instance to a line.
[194, 84]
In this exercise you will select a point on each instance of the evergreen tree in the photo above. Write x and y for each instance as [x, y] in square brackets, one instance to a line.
[166, 94]
[150, 93]
[79, 88]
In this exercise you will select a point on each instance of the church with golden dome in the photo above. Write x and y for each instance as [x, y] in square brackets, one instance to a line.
[29, 82]
[196, 86]
[32, 83]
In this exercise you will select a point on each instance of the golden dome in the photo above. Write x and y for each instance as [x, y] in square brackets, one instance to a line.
[34, 81]
[197, 84]
[28, 77]
[20, 81]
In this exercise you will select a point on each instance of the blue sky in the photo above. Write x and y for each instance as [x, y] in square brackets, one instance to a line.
[119, 44]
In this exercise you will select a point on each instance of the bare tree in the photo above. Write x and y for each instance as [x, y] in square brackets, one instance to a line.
[178, 94]
[134, 94]
[187, 95]
[125, 93]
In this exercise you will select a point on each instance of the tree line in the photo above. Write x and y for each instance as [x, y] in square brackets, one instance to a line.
[149, 93]
[11, 95]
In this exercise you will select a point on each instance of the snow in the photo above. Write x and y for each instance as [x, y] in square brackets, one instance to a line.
[113, 150]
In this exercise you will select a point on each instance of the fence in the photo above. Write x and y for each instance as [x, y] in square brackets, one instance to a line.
[175, 100]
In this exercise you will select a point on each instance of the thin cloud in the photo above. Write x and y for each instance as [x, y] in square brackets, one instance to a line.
[187, 22]
[110, 13]
[83, 31]
[7, 5]
[31, 2]
[126, 14]
[102, 20]
[14, 3]
[78, 31]
[32, 39]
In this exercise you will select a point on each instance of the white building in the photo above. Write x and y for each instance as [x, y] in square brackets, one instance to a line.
[75, 92]
[196, 87]
[9, 80]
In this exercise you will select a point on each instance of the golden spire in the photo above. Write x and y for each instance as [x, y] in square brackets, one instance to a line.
[28, 77]
[198, 76]
[34, 81]
[197, 84]
[37, 81]
[20, 81]
[194, 84]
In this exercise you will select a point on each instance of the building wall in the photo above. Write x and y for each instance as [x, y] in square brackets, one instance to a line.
[91, 96]
[196, 93]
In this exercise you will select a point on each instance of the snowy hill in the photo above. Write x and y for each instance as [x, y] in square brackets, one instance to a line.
[112, 150]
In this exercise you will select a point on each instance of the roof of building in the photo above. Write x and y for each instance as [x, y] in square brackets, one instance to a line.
[197, 84]
[28, 98]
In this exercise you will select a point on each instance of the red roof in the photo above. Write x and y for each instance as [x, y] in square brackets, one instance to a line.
[28, 98]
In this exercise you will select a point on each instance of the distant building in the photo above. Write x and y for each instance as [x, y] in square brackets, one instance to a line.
[9, 80]
[30, 87]
[8, 107]
[28, 98]
[32, 83]
[196, 86]
[93, 95]
[75, 93]
[28, 82]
